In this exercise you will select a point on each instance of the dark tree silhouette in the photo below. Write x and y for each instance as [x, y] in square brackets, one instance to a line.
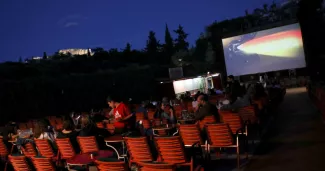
[152, 47]
[168, 46]
[180, 41]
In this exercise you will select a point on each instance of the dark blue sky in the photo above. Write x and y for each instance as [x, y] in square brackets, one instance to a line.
[30, 27]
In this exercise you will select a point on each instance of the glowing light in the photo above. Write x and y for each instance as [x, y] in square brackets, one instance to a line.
[284, 44]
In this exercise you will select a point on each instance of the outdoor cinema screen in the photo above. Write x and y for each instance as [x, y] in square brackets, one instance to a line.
[264, 51]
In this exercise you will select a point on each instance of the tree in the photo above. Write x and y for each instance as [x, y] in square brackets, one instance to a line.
[127, 48]
[44, 55]
[168, 47]
[152, 43]
[201, 46]
[152, 47]
[180, 41]
[210, 55]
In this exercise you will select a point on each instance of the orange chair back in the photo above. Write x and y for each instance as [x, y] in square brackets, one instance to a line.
[139, 116]
[190, 134]
[19, 163]
[29, 150]
[88, 144]
[43, 164]
[111, 166]
[65, 148]
[233, 120]
[44, 148]
[138, 149]
[3, 149]
[206, 120]
[219, 135]
[171, 149]
[151, 114]
[248, 113]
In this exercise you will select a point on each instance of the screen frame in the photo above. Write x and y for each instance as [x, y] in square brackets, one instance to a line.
[266, 28]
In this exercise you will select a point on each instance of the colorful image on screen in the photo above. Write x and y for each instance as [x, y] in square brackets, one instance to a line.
[264, 51]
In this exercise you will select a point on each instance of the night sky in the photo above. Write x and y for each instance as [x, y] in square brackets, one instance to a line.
[30, 27]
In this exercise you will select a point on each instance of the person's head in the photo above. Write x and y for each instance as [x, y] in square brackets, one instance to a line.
[202, 99]
[163, 105]
[230, 78]
[68, 125]
[85, 121]
[40, 128]
[113, 101]
[165, 100]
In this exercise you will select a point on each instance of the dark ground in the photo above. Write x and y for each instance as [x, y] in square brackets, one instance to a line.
[295, 141]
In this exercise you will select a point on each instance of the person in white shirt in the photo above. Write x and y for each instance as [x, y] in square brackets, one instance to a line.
[42, 131]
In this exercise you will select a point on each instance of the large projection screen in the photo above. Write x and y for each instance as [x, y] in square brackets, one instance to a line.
[275, 49]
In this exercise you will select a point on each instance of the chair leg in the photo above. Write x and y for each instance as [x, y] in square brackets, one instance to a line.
[6, 165]
[238, 157]
[246, 146]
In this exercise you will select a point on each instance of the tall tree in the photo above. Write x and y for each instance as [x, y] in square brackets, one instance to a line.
[152, 47]
[201, 46]
[168, 47]
[127, 48]
[44, 55]
[180, 41]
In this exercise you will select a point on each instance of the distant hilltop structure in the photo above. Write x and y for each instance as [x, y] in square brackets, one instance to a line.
[76, 51]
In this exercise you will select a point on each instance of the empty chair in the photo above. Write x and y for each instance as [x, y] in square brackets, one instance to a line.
[138, 149]
[109, 164]
[220, 136]
[69, 156]
[248, 114]
[29, 150]
[19, 163]
[45, 149]
[171, 150]
[43, 164]
[89, 145]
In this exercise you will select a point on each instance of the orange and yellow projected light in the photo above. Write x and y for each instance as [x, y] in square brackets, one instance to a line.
[284, 44]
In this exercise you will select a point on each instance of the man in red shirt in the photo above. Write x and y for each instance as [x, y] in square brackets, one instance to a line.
[121, 113]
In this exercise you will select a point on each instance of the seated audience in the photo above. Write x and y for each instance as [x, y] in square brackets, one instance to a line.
[241, 101]
[122, 115]
[42, 131]
[143, 109]
[167, 113]
[88, 128]
[69, 132]
[8, 131]
[206, 108]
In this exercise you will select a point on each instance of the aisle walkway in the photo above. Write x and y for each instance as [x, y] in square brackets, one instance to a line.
[296, 139]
